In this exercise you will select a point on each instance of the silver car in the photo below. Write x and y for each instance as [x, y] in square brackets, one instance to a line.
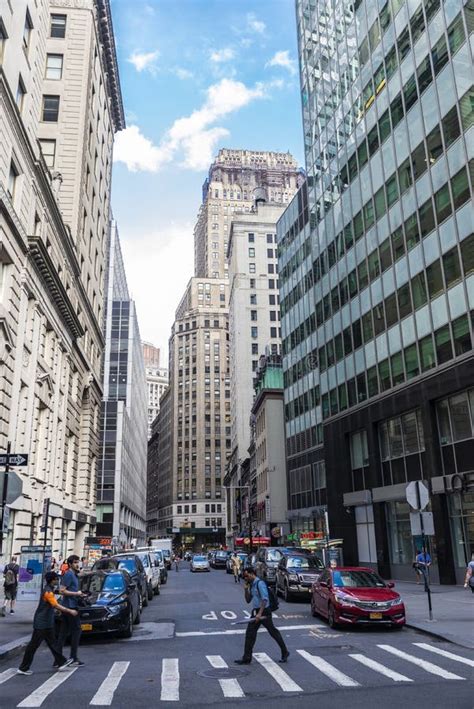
[199, 563]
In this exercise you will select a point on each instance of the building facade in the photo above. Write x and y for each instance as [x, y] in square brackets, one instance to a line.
[387, 304]
[60, 106]
[122, 467]
[156, 380]
[160, 480]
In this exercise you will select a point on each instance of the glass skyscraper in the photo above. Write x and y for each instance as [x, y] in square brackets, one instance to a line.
[377, 279]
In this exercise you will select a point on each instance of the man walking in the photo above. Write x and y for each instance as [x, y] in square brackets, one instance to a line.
[43, 627]
[10, 585]
[236, 563]
[70, 624]
[256, 591]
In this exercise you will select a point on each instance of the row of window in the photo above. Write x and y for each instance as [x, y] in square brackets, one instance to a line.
[274, 332]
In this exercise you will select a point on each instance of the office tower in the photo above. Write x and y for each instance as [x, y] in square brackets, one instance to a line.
[122, 468]
[156, 380]
[61, 102]
[385, 310]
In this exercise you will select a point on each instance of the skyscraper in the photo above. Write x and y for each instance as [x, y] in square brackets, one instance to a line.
[383, 302]
[156, 381]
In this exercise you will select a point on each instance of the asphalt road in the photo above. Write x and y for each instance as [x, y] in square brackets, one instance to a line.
[182, 655]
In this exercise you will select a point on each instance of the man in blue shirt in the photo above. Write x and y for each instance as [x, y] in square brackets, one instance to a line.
[256, 592]
[423, 563]
[71, 625]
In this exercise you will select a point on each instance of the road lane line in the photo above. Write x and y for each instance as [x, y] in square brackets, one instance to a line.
[445, 653]
[329, 670]
[276, 672]
[36, 698]
[230, 687]
[170, 679]
[196, 633]
[105, 693]
[378, 667]
[427, 666]
[7, 674]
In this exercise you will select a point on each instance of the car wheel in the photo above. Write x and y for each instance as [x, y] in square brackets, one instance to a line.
[150, 593]
[128, 632]
[332, 617]
[157, 590]
[287, 594]
[138, 617]
[145, 600]
[165, 579]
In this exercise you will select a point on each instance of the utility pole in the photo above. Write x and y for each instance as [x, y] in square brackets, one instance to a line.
[4, 494]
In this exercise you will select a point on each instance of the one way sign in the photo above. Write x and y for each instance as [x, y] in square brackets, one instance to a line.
[14, 459]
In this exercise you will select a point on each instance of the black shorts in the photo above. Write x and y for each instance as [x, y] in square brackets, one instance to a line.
[10, 592]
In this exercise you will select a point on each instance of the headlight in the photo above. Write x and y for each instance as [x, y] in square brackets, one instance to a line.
[293, 577]
[116, 608]
[397, 601]
[344, 600]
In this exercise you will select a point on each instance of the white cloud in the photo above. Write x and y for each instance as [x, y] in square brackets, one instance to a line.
[144, 61]
[194, 136]
[283, 60]
[222, 55]
[182, 74]
[255, 25]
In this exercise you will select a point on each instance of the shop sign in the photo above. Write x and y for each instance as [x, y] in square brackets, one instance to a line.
[311, 535]
[276, 532]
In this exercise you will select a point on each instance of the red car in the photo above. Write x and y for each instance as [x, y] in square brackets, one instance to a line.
[354, 595]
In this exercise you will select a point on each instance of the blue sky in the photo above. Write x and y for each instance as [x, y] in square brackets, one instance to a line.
[196, 75]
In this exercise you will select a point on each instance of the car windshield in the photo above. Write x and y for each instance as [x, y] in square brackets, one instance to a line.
[199, 558]
[273, 555]
[303, 562]
[128, 564]
[166, 552]
[144, 559]
[222, 554]
[356, 579]
[97, 583]
[158, 555]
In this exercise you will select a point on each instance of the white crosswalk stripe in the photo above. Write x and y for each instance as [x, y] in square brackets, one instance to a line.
[170, 679]
[230, 687]
[381, 669]
[7, 674]
[445, 653]
[427, 666]
[278, 674]
[36, 698]
[104, 695]
[329, 670]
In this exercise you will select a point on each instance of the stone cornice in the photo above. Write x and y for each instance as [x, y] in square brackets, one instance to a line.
[14, 223]
[106, 33]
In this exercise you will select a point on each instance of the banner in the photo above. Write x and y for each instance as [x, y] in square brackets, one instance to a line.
[31, 571]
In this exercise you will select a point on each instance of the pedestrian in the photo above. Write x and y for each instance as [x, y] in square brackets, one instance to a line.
[256, 592]
[70, 624]
[43, 627]
[421, 565]
[236, 564]
[469, 580]
[176, 562]
[64, 567]
[10, 585]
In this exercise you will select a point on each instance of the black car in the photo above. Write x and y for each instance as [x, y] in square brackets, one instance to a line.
[112, 605]
[219, 560]
[266, 562]
[296, 574]
[131, 563]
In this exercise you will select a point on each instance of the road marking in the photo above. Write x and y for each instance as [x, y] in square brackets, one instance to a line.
[170, 680]
[427, 666]
[229, 615]
[230, 687]
[275, 671]
[36, 698]
[105, 693]
[7, 674]
[196, 633]
[445, 653]
[329, 670]
[377, 667]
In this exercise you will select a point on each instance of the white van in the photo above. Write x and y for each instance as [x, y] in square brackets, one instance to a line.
[151, 569]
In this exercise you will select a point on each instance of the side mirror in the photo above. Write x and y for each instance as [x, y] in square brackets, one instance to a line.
[390, 584]
[324, 584]
[132, 586]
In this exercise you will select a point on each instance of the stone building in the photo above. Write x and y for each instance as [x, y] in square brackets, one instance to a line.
[156, 380]
[60, 105]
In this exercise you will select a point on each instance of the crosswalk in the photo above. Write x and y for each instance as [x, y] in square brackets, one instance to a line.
[383, 663]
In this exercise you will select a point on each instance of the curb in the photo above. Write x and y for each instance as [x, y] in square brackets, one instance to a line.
[13, 648]
[440, 636]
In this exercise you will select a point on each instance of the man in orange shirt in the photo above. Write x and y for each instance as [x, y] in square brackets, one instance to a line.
[43, 626]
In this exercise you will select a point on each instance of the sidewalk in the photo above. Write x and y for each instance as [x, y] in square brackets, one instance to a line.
[453, 611]
[15, 629]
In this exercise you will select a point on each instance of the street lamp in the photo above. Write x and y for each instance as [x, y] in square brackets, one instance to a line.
[244, 487]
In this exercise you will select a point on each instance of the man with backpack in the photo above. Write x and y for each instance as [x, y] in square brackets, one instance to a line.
[10, 585]
[264, 602]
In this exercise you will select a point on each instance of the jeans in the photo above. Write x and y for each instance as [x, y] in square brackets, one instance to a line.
[251, 635]
[36, 639]
[70, 625]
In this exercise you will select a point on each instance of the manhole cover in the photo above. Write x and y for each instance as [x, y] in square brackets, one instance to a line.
[223, 673]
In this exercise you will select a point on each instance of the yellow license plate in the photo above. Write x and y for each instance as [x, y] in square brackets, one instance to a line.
[375, 616]
[86, 626]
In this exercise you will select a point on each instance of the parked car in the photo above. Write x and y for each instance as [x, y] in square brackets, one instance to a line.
[355, 595]
[219, 559]
[159, 558]
[113, 603]
[131, 563]
[266, 562]
[296, 574]
[210, 556]
[199, 563]
[249, 562]
[152, 570]
[228, 565]
[188, 556]
[167, 558]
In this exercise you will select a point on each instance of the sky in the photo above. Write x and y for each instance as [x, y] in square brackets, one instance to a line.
[196, 76]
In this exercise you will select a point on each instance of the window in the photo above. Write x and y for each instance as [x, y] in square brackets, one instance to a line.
[417, 25]
[467, 254]
[401, 436]
[460, 187]
[12, 180]
[403, 44]
[359, 450]
[439, 54]
[252, 268]
[251, 238]
[27, 31]
[443, 204]
[58, 26]
[435, 278]
[418, 160]
[254, 332]
[274, 332]
[452, 269]
[253, 315]
[461, 336]
[427, 355]
[251, 252]
[54, 66]
[424, 74]
[396, 110]
[466, 106]
[253, 299]
[451, 128]
[50, 109]
[444, 349]
[456, 36]
[254, 348]
[434, 145]
[410, 93]
[20, 94]
[48, 149]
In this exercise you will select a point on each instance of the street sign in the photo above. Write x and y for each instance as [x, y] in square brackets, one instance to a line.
[14, 459]
[14, 487]
[421, 523]
[417, 495]
[6, 520]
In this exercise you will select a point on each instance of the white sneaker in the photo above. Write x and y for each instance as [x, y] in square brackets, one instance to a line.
[24, 672]
[65, 666]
